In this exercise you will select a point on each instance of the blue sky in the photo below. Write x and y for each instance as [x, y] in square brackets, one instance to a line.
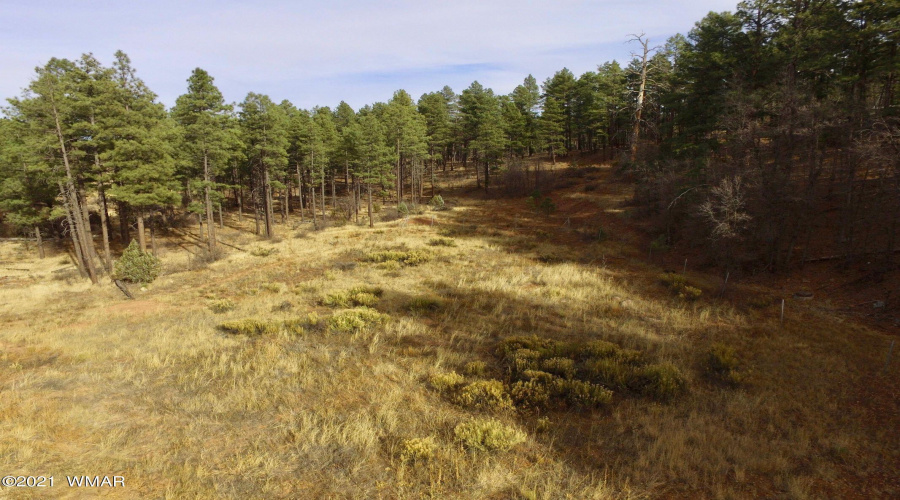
[319, 53]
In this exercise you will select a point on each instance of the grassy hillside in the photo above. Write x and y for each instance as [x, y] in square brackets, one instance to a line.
[359, 363]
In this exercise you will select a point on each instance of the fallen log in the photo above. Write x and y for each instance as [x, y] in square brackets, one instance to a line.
[121, 285]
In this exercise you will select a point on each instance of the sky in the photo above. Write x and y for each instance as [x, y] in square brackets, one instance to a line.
[320, 53]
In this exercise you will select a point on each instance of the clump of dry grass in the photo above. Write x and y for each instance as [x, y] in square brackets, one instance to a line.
[249, 326]
[364, 296]
[220, 306]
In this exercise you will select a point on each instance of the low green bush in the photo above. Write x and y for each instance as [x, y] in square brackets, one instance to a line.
[488, 435]
[484, 395]
[530, 394]
[407, 258]
[249, 326]
[446, 382]
[722, 365]
[417, 450]
[662, 381]
[582, 393]
[352, 320]
[563, 367]
[136, 266]
[442, 242]
[221, 305]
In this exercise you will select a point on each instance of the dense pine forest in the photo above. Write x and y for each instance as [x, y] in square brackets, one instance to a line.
[760, 134]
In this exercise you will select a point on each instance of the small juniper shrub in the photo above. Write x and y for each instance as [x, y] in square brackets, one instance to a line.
[488, 434]
[582, 393]
[609, 372]
[446, 383]
[475, 368]
[661, 381]
[249, 326]
[487, 395]
[221, 305]
[442, 242]
[722, 365]
[354, 320]
[359, 296]
[530, 394]
[136, 266]
[437, 203]
[679, 287]
[407, 258]
[417, 450]
[562, 367]
[263, 252]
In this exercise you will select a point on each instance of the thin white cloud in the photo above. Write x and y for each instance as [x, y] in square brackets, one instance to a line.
[301, 49]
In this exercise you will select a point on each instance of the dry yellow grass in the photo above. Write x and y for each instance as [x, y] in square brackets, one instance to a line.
[153, 391]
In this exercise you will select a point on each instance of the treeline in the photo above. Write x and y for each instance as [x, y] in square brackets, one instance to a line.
[757, 133]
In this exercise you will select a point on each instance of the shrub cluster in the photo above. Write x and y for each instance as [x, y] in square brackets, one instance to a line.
[417, 450]
[254, 327]
[442, 242]
[263, 252]
[437, 203]
[407, 258]
[722, 365]
[582, 374]
[354, 320]
[136, 266]
[487, 434]
[365, 296]
[680, 287]
[221, 305]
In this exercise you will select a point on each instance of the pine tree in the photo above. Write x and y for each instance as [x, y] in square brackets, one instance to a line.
[264, 129]
[142, 152]
[202, 115]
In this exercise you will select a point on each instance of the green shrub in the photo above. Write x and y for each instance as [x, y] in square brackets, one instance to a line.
[263, 252]
[609, 372]
[410, 258]
[221, 305]
[353, 320]
[660, 244]
[545, 347]
[524, 359]
[249, 326]
[136, 266]
[690, 293]
[475, 368]
[437, 203]
[630, 357]
[484, 395]
[598, 349]
[662, 381]
[539, 376]
[530, 393]
[679, 287]
[423, 305]
[446, 382]
[417, 450]
[295, 326]
[722, 365]
[442, 242]
[581, 393]
[402, 209]
[488, 435]
[563, 367]
[359, 296]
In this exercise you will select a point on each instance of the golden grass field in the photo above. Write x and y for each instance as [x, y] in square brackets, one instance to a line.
[154, 391]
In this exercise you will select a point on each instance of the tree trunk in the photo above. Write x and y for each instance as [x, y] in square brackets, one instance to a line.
[76, 245]
[141, 239]
[210, 224]
[300, 190]
[153, 240]
[333, 195]
[104, 229]
[323, 194]
[221, 219]
[40, 242]
[312, 199]
[369, 189]
[636, 129]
